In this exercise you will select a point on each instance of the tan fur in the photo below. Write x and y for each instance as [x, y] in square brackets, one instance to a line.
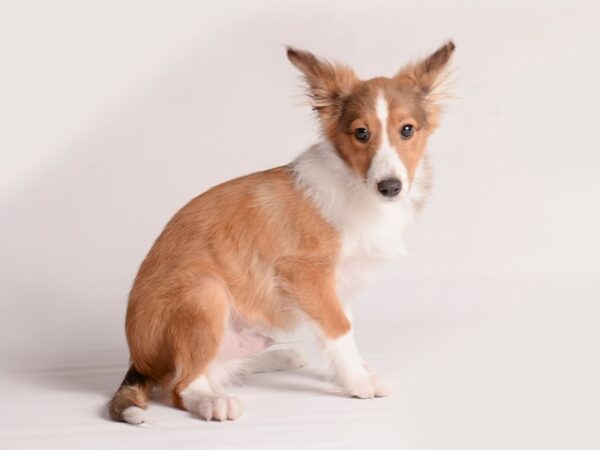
[256, 248]
[346, 103]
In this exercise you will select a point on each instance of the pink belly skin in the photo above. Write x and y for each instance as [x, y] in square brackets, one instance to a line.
[242, 343]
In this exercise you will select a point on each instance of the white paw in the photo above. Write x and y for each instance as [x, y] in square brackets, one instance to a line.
[277, 360]
[289, 359]
[218, 407]
[359, 386]
[367, 385]
[381, 386]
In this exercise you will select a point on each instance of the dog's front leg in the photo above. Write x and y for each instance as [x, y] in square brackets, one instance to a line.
[356, 377]
[316, 294]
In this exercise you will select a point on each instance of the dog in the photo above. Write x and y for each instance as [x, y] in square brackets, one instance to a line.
[262, 254]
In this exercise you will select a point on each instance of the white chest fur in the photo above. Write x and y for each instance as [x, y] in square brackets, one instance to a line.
[370, 226]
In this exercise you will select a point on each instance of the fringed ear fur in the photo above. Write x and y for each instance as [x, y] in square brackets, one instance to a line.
[430, 74]
[326, 82]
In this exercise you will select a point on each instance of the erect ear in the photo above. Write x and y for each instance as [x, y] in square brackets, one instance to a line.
[429, 74]
[326, 82]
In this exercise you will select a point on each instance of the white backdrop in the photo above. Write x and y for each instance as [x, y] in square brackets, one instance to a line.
[114, 114]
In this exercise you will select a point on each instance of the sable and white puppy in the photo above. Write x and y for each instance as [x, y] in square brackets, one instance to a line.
[262, 253]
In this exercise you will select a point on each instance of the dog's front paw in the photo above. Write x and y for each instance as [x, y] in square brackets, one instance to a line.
[359, 386]
[367, 385]
[381, 386]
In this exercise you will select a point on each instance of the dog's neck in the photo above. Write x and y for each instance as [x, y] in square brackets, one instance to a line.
[363, 217]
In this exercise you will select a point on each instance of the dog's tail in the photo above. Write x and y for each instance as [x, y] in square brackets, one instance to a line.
[131, 399]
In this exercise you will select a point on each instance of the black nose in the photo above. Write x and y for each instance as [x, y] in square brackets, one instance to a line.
[389, 187]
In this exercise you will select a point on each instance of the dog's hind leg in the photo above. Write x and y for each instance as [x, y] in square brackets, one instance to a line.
[200, 321]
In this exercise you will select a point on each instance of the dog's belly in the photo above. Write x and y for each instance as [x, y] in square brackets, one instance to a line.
[241, 340]
[241, 345]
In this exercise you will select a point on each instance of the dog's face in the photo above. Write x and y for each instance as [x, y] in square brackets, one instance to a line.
[379, 127]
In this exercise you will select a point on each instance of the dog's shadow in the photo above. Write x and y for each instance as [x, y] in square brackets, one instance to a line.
[102, 379]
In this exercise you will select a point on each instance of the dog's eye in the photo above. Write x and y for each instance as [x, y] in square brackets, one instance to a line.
[407, 131]
[362, 134]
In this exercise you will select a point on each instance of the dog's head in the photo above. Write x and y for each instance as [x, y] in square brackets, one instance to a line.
[379, 127]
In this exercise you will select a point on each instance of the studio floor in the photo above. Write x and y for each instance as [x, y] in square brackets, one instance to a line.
[512, 382]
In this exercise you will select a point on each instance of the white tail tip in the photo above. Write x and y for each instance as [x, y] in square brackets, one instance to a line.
[134, 415]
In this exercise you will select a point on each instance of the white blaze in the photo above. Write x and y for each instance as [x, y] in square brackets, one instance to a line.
[386, 163]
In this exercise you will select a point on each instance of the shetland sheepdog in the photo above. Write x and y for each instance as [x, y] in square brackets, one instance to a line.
[261, 254]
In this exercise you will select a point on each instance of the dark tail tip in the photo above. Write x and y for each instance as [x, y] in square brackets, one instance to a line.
[133, 393]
